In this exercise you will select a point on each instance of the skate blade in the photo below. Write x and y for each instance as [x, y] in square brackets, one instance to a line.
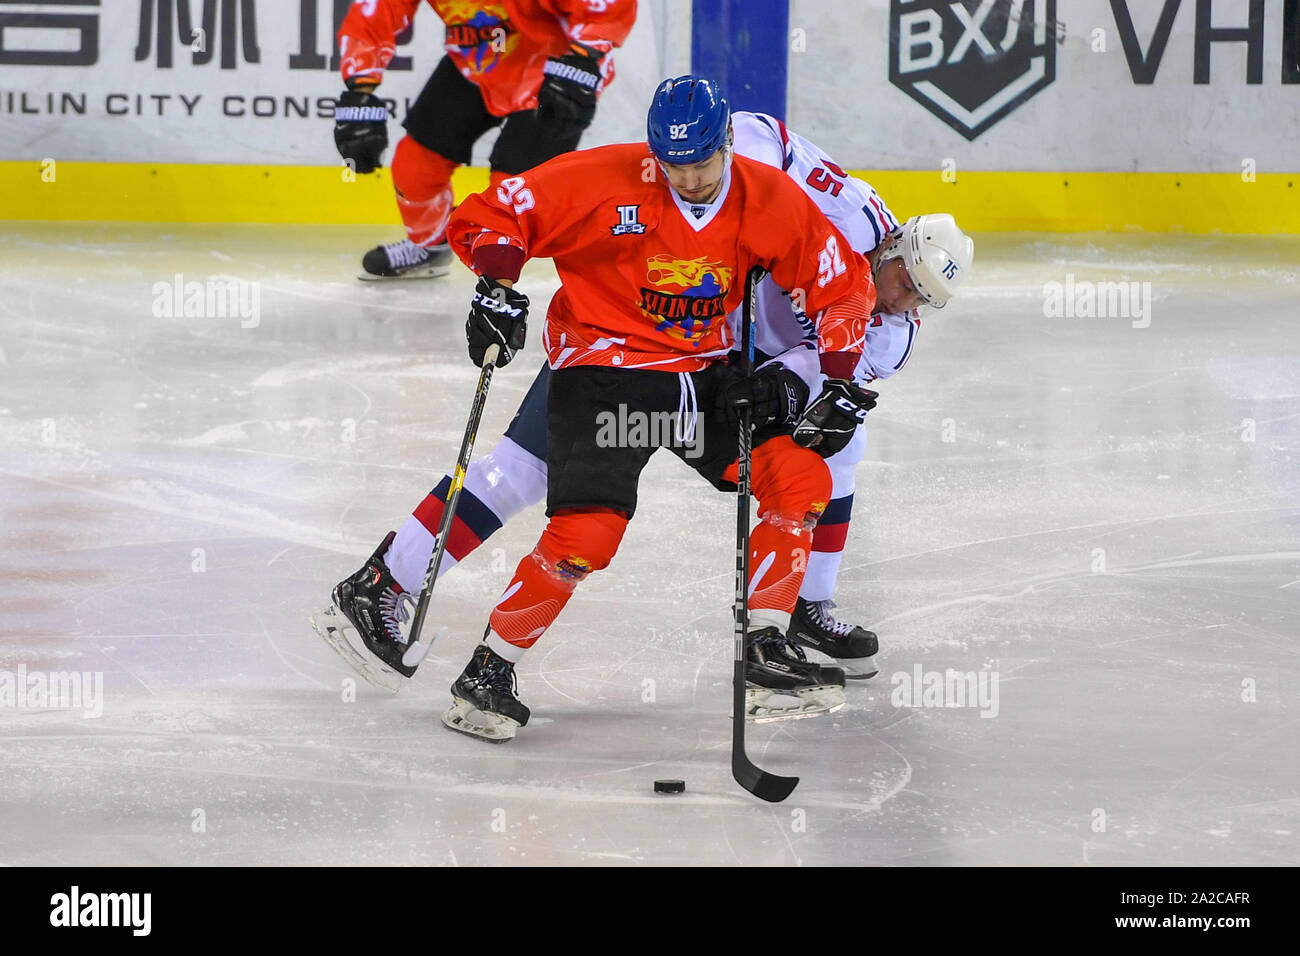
[855, 668]
[334, 629]
[494, 727]
[861, 668]
[419, 272]
[807, 702]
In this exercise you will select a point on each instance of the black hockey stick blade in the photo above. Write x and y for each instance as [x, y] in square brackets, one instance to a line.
[764, 785]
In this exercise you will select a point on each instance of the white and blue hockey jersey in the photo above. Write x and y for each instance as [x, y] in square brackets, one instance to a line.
[865, 220]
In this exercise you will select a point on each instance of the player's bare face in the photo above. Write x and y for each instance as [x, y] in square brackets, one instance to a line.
[894, 289]
[698, 182]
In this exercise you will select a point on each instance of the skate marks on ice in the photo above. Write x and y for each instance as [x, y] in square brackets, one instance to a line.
[1011, 591]
[285, 772]
[1121, 689]
[360, 776]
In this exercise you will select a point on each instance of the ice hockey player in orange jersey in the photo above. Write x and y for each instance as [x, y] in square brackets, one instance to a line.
[652, 246]
[533, 67]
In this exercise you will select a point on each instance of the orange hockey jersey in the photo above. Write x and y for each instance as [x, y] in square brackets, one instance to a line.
[647, 278]
[500, 45]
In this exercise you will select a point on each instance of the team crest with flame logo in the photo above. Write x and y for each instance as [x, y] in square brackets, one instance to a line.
[481, 34]
[688, 295]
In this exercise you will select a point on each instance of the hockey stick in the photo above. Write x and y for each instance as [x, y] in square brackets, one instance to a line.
[416, 652]
[764, 785]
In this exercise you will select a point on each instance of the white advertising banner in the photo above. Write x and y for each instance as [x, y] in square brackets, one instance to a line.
[241, 81]
[1089, 85]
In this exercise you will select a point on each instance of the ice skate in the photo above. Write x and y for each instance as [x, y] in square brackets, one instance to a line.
[484, 698]
[853, 648]
[406, 260]
[781, 684]
[364, 622]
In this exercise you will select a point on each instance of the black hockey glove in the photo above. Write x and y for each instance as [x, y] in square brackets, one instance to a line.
[828, 424]
[774, 394]
[497, 316]
[361, 129]
[566, 103]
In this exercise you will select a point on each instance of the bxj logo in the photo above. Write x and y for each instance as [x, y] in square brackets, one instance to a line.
[971, 63]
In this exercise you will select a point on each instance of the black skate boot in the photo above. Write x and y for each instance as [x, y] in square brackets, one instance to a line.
[375, 606]
[406, 260]
[488, 686]
[776, 667]
[854, 648]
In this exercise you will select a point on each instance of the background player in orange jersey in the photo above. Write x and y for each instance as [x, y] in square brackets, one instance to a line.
[532, 67]
[649, 272]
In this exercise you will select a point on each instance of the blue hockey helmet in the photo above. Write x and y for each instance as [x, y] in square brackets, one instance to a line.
[688, 120]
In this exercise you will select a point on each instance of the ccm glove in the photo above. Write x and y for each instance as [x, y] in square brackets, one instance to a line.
[361, 129]
[774, 394]
[567, 100]
[497, 316]
[828, 424]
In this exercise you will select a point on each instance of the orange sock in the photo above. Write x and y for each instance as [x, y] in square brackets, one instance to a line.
[792, 485]
[422, 179]
[575, 543]
[778, 558]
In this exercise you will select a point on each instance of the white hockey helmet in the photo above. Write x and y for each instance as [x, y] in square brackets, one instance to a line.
[936, 253]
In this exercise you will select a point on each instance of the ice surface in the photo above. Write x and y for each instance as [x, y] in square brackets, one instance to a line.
[1070, 504]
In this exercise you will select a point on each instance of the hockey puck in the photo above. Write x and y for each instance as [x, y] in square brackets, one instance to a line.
[670, 786]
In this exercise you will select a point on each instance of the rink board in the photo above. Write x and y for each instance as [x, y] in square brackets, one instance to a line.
[981, 200]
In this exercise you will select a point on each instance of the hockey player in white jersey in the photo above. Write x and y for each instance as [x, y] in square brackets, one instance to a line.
[909, 263]
[919, 263]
